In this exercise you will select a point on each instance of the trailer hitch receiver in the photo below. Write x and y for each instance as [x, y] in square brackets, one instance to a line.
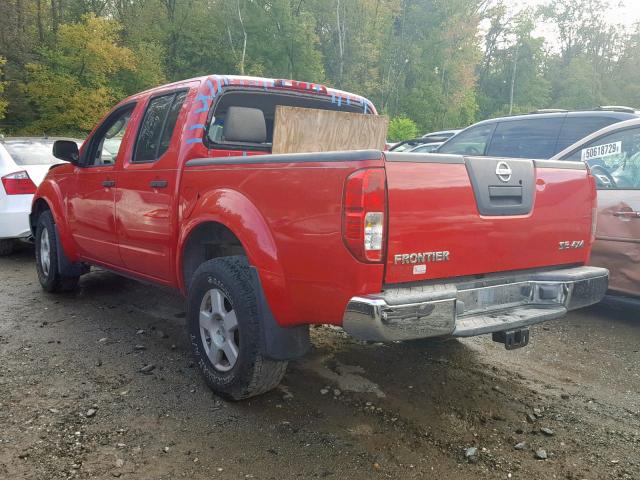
[512, 339]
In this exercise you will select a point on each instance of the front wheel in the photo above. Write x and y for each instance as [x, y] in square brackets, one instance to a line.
[225, 330]
[47, 257]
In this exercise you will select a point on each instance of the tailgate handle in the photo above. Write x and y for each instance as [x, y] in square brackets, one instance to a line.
[502, 192]
[505, 192]
[505, 195]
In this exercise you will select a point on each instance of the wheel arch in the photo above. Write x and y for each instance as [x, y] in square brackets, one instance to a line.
[207, 240]
[231, 219]
[39, 205]
[49, 198]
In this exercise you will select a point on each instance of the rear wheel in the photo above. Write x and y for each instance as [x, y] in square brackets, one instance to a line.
[7, 247]
[47, 257]
[225, 330]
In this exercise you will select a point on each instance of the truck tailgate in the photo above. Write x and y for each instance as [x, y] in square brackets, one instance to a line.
[452, 216]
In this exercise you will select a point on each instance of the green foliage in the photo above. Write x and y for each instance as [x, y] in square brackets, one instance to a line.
[73, 86]
[402, 128]
[3, 103]
[442, 64]
[577, 84]
[432, 53]
[516, 58]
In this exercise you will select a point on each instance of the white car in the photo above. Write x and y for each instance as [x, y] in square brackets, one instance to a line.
[24, 162]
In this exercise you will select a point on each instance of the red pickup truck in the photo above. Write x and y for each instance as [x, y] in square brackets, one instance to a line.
[178, 186]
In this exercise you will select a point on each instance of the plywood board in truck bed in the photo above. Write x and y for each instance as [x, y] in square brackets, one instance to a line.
[302, 130]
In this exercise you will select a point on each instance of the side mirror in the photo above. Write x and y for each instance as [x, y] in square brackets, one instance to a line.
[66, 150]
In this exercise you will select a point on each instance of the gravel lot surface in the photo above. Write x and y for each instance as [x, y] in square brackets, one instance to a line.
[74, 402]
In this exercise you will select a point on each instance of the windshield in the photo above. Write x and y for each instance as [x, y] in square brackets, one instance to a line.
[31, 152]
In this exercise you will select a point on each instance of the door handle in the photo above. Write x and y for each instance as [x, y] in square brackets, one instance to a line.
[158, 184]
[627, 214]
[108, 183]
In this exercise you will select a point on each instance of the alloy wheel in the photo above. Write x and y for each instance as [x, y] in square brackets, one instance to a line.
[45, 252]
[219, 330]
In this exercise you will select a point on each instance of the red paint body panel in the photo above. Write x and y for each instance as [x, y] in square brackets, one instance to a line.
[294, 239]
[91, 214]
[288, 216]
[432, 208]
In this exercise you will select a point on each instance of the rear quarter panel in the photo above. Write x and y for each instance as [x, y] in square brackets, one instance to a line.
[292, 232]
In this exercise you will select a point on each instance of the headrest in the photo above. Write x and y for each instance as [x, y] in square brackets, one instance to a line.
[244, 124]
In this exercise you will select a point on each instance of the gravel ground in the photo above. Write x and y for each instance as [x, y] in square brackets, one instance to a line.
[74, 402]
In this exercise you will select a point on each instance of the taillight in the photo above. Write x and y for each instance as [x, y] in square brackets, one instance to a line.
[18, 183]
[594, 206]
[363, 216]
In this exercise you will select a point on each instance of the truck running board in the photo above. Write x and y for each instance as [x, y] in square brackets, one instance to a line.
[512, 339]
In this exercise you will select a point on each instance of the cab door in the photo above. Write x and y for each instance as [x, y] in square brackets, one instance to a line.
[614, 159]
[147, 190]
[91, 193]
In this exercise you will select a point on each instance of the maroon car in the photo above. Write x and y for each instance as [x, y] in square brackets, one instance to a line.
[613, 155]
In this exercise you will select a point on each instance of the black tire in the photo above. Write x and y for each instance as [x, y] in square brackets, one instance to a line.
[7, 247]
[251, 374]
[49, 275]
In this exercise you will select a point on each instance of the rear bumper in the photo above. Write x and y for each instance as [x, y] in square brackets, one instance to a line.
[474, 307]
[14, 216]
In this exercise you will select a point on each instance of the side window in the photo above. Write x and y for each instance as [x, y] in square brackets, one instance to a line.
[472, 141]
[575, 128]
[614, 159]
[157, 127]
[105, 145]
[528, 138]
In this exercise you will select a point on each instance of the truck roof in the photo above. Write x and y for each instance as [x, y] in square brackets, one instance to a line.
[218, 82]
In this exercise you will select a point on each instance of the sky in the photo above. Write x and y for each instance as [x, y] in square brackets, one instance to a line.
[628, 11]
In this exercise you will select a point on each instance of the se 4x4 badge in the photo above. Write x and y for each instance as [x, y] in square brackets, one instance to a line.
[571, 245]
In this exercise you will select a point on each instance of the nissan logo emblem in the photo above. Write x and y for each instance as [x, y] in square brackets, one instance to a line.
[503, 171]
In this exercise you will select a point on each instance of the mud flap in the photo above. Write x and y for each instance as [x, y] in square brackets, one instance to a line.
[279, 343]
[65, 266]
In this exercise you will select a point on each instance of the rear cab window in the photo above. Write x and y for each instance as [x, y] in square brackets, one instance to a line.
[244, 119]
[526, 138]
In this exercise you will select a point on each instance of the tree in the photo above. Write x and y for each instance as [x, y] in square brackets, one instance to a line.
[402, 128]
[432, 57]
[622, 86]
[440, 63]
[282, 41]
[589, 50]
[577, 85]
[3, 102]
[512, 77]
[73, 86]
